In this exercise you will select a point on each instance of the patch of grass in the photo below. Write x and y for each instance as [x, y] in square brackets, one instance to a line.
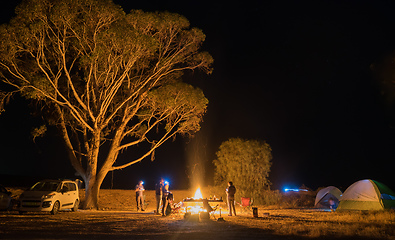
[313, 223]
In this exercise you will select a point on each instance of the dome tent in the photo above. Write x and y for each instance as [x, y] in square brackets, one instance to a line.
[367, 195]
[324, 195]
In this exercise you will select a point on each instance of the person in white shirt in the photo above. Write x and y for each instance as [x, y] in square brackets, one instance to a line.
[140, 196]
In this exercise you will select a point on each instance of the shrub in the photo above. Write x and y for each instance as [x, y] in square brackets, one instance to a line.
[297, 199]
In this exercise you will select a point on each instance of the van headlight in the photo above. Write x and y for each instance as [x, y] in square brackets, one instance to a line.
[48, 196]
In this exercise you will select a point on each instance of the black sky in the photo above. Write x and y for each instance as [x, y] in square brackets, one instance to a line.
[293, 73]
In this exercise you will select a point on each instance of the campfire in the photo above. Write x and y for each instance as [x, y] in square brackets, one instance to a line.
[198, 194]
[194, 205]
[198, 206]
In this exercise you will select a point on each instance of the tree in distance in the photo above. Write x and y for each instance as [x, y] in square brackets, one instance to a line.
[109, 81]
[383, 72]
[246, 163]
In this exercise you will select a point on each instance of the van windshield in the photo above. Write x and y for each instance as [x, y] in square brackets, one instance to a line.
[45, 186]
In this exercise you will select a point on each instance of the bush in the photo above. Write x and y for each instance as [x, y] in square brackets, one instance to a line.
[265, 198]
[269, 198]
[297, 199]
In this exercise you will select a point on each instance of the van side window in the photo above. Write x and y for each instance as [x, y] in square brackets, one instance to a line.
[72, 187]
[65, 187]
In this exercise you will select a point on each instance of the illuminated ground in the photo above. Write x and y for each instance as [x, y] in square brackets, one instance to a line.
[284, 224]
[113, 223]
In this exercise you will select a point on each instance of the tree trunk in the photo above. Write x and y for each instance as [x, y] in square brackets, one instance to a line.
[93, 180]
[92, 189]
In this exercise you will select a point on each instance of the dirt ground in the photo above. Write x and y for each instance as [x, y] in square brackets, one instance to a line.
[118, 219]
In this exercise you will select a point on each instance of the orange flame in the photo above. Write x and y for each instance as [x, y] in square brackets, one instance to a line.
[198, 194]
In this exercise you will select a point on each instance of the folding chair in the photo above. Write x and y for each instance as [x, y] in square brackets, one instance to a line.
[246, 204]
[177, 207]
[210, 210]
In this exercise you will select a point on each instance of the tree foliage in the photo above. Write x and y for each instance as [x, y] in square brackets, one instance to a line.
[104, 78]
[383, 72]
[246, 163]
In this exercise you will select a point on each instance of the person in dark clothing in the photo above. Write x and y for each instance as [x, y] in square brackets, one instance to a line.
[230, 192]
[159, 193]
[165, 199]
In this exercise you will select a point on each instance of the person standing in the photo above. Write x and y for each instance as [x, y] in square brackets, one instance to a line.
[165, 198]
[140, 196]
[230, 192]
[159, 194]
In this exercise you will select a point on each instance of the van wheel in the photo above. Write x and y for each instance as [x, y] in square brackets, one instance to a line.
[76, 205]
[56, 207]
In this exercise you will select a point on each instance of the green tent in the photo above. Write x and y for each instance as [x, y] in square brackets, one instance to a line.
[367, 195]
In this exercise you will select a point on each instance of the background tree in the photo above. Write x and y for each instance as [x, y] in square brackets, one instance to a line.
[383, 71]
[246, 163]
[109, 81]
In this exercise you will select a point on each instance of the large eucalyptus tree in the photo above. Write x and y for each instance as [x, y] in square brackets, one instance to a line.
[104, 78]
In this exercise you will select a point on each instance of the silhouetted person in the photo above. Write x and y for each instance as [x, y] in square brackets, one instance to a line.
[230, 192]
[159, 193]
[165, 199]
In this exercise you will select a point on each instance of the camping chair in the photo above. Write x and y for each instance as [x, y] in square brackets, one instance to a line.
[211, 210]
[246, 204]
[177, 207]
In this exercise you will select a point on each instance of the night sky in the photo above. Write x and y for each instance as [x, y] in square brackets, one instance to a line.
[295, 74]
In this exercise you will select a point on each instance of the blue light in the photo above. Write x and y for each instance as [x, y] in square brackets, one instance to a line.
[294, 190]
[291, 190]
[167, 183]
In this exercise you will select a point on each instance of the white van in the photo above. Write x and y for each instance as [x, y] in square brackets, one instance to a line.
[50, 196]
